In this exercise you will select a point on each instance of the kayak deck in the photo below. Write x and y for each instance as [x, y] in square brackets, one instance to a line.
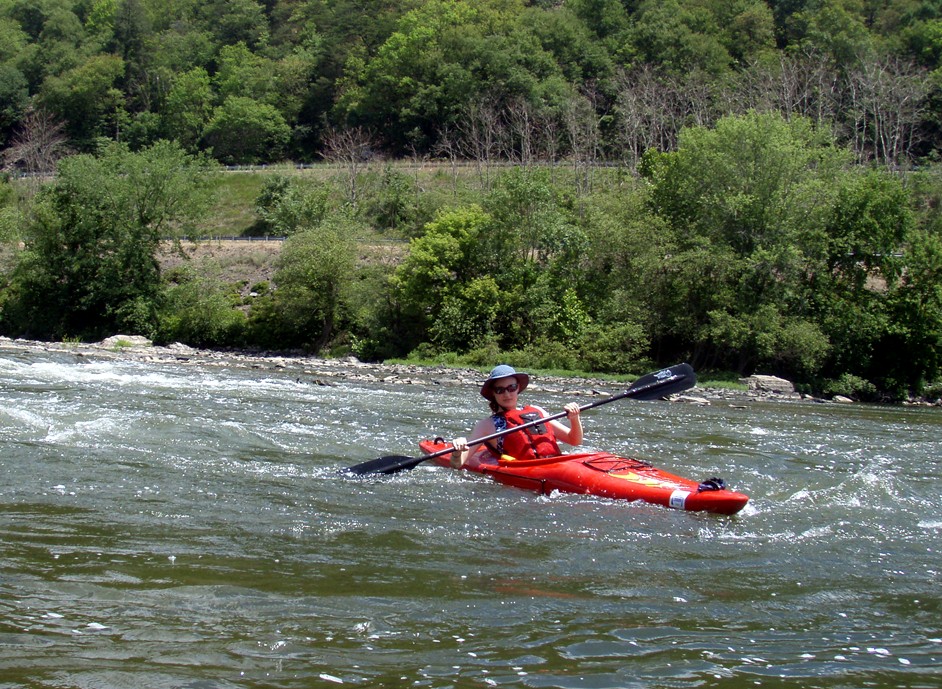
[605, 475]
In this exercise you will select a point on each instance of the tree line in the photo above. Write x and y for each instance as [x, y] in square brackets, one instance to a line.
[583, 81]
[758, 244]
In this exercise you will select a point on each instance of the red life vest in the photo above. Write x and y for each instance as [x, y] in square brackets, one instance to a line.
[532, 442]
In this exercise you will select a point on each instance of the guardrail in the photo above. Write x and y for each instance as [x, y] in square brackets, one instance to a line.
[231, 238]
[267, 238]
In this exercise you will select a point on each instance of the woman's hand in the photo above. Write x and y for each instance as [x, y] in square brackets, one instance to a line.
[459, 454]
[573, 434]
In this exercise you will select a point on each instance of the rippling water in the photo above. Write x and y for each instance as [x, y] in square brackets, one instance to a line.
[185, 526]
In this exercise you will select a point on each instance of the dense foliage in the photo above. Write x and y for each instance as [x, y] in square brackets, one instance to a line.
[747, 185]
[89, 266]
[253, 81]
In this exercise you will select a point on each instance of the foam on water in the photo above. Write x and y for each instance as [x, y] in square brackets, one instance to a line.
[16, 419]
[137, 376]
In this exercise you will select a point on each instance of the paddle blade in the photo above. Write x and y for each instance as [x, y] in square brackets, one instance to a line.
[389, 464]
[663, 383]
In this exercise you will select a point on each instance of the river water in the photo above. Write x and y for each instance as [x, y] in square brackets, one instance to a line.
[171, 525]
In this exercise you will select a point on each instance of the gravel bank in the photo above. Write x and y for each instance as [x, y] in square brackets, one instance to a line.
[321, 371]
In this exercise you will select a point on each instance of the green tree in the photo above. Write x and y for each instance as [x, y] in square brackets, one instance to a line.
[240, 72]
[564, 36]
[532, 226]
[680, 37]
[85, 97]
[287, 205]
[14, 98]
[282, 84]
[607, 19]
[244, 131]
[89, 267]
[201, 311]
[393, 202]
[508, 272]
[778, 250]
[923, 41]
[235, 21]
[130, 26]
[296, 78]
[180, 49]
[627, 245]
[188, 107]
[12, 38]
[836, 27]
[910, 357]
[314, 268]
[57, 39]
[128, 39]
[532, 246]
[867, 225]
[340, 35]
[769, 337]
[14, 87]
[747, 204]
[467, 315]
[749, 33]
[444, 56]
[434, 274]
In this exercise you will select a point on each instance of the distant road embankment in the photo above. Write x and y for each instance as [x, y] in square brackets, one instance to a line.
[251, 260]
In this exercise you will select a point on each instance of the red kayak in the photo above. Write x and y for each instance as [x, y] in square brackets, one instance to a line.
[605, 475]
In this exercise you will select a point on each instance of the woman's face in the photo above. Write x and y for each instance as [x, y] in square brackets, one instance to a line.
[505, 392]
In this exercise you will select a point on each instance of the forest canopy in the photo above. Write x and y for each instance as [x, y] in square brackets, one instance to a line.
[260, 82]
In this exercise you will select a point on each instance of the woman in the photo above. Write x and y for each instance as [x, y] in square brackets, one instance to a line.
[540, 440]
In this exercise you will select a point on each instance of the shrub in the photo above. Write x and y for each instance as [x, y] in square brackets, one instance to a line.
[199, 311]
[614, 348]
[851, 386]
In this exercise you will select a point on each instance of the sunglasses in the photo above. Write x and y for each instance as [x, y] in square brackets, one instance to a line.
[509, 388]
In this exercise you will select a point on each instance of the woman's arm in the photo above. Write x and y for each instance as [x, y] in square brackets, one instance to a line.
[573, 434]
[460, 456]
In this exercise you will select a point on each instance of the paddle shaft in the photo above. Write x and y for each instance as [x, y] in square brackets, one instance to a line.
[630, 392]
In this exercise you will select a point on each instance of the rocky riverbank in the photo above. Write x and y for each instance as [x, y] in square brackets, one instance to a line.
[321, 371]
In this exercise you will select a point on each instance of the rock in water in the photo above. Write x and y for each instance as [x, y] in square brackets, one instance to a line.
[126, 341]
[769, 384]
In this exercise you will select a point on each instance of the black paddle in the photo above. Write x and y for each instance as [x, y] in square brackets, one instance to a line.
[653, 386]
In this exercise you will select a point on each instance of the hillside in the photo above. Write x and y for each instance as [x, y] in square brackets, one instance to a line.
[256, 82]
[250, 262]
[231, 261]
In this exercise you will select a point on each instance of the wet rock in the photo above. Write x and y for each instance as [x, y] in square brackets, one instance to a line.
[126, 341]
[691, 399]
